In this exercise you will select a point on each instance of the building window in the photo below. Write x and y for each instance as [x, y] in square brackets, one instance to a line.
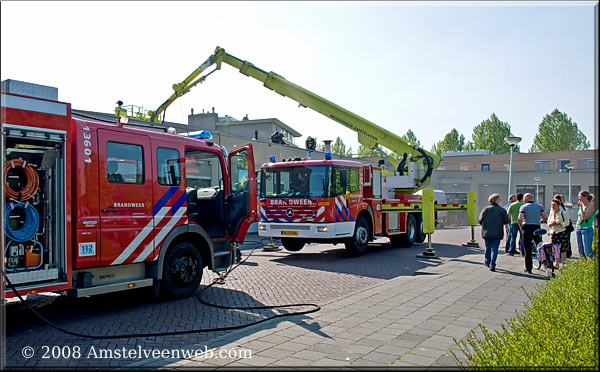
[485, 167]
[541, 192]
[506, 166]
[441, 167]
[564, 190]
[562, 163]
[541, 165]
[593, 190]
[586, 164]
[463, 166]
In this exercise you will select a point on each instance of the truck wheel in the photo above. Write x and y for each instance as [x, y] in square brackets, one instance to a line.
[360, 240]
[408, 238]
[420, 236]
[182, 270]
[292, 245]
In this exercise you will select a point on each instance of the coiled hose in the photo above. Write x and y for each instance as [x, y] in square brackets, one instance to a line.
[33, 180]
[30, 226]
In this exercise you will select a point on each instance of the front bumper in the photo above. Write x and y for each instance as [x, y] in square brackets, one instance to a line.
[306, 230]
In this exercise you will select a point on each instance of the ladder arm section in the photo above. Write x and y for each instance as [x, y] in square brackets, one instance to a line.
[370, 135]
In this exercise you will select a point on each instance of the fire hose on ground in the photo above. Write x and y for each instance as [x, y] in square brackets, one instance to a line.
[180, 332]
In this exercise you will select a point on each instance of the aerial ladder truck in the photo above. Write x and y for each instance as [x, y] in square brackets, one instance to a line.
[337, 201]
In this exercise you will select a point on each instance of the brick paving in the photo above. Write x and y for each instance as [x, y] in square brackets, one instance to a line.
[386, 308]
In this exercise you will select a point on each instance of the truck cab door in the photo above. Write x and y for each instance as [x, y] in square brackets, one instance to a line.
[125, 183]
[241, 202]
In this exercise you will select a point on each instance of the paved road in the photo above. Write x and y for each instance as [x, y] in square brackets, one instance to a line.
[387, 307]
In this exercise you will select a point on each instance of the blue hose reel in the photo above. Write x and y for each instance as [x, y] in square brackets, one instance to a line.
[30, 227]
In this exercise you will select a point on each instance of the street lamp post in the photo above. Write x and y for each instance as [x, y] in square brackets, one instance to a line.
[512, 141]
[569, 169]
[537, 185]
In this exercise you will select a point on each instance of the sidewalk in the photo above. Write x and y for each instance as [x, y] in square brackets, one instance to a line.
[405, 321]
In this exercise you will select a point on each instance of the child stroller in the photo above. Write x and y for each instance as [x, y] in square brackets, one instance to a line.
[547, 252]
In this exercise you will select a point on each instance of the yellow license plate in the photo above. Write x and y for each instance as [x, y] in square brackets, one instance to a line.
[289, 233]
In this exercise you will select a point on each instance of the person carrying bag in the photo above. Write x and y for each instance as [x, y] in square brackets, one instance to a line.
[569, 228]
[557, 223]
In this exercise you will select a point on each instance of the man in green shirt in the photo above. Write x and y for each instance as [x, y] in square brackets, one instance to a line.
[513, 214]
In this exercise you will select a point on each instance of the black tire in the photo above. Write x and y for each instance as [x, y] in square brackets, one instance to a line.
[408, 238]
[357, 245]
[182, 271]
[292, 245]
[420, 236]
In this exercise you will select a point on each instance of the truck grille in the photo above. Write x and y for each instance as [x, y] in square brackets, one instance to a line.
[291, 214]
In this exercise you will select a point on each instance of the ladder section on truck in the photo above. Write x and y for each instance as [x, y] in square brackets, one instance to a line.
[35, 205]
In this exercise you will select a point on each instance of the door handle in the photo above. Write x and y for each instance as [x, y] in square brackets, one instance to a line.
[109, 210]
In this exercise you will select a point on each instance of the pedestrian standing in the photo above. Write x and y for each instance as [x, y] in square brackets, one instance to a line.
[513, 228]
[557, 223]
[530, 217]
[585, 229]
[492, 219]
[565, 206]
[511, 199]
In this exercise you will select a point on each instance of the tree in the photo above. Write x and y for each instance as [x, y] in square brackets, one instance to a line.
[489, 135]
[364, 151]
[557, 132]
[411, 138]
[339, 148]
[453, 141]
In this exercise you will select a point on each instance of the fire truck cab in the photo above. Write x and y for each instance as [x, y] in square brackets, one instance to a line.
[92, 207]
[331, 201]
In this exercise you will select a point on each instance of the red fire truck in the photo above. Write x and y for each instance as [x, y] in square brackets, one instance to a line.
[92, 207]
[335, 201]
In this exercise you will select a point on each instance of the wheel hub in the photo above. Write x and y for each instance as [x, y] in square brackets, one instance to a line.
[363, 235]
[184, 270]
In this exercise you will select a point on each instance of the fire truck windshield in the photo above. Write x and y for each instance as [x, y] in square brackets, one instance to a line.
[295, 181]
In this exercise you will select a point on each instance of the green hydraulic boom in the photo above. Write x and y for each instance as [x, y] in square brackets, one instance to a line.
[416, 162]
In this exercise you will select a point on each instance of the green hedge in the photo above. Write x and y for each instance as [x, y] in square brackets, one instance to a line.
[558, 329]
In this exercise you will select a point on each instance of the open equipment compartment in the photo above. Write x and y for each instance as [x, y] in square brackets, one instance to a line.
[34, 167]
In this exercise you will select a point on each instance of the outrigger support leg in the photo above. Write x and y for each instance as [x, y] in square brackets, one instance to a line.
[472, 243]
[429, 252]
[271, 247]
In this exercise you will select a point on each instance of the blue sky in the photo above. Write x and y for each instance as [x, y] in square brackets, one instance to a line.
[424, 66]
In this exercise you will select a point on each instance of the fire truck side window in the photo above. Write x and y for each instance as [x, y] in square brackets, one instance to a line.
[204, 188]
[168, 169]
[124, 163]
[345, 179]
[353, 179]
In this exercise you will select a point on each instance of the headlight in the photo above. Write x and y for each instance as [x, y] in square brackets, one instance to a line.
[262, 227]
[321, 228]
